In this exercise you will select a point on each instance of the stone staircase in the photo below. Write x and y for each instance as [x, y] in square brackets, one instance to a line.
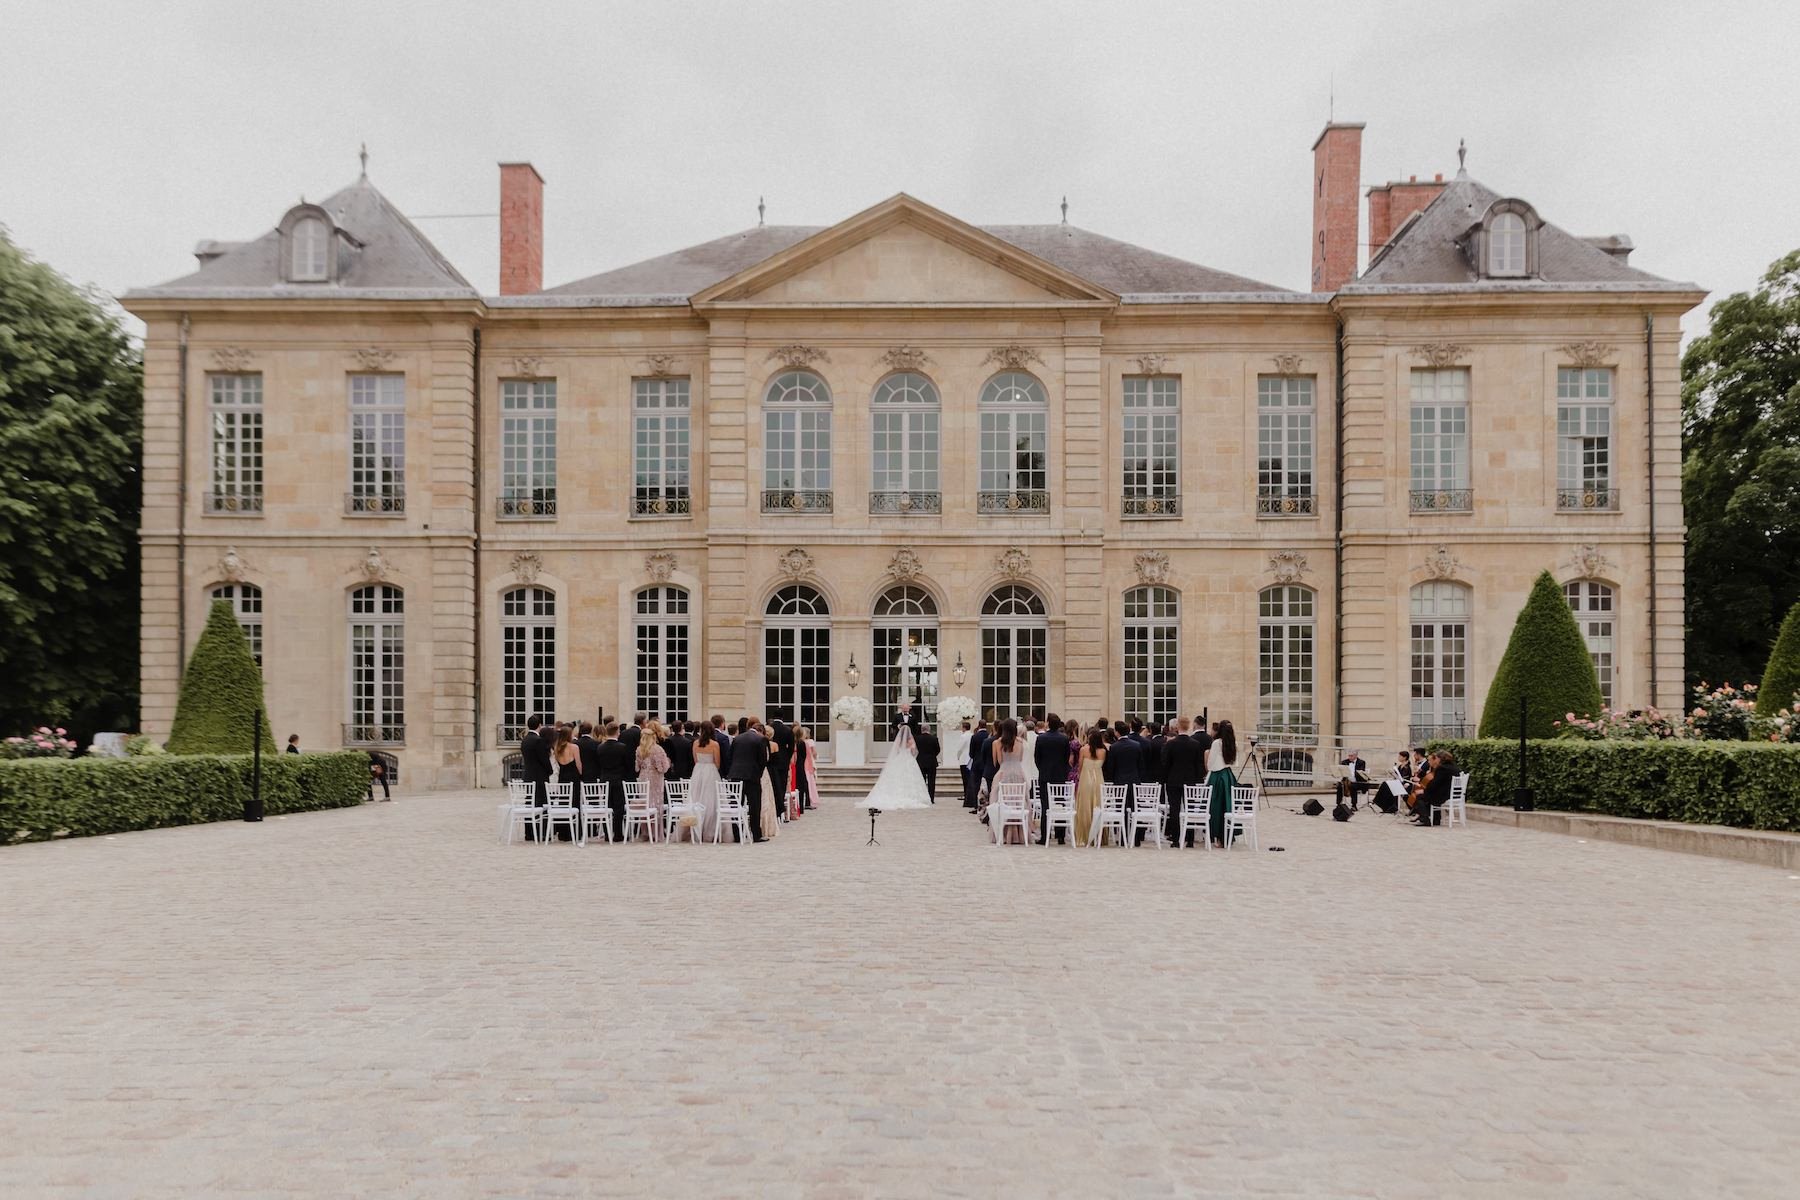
[845, 785]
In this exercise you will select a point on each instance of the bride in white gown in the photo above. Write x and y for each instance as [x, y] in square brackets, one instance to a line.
[900, 784]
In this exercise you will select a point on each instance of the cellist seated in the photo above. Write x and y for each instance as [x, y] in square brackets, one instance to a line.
[1434, 791]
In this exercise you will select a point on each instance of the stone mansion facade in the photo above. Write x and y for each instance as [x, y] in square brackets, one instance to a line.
[908, 455]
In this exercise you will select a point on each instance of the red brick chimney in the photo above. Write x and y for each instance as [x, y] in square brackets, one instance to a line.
[521, 229]
[1337, 201]
[1393, 202]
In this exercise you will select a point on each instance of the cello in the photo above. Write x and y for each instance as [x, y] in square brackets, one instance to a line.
[1418, 792]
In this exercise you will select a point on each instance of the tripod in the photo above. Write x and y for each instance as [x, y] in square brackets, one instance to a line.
[1255, 771]
[873, 813]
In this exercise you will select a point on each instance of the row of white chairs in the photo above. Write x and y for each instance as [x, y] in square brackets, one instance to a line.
[1012, 807]
[592, 817]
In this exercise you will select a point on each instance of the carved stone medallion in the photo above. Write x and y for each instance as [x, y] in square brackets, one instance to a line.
[231, 566]
[1012, 356]
[795, 564]
[1440, 354]
[1589, 559]
[373, 358]
[907, 358]
[1441, 564]
[659, 365]
[232, 358]
[374, 567]
[1589, 354]
[526, 565]
[528, 366]
[1150, 364]
[660, 566]
[905, 566]
[1287, 364]
[1288, 566]
[797, 357]
[1013, 564]
[1152, 567]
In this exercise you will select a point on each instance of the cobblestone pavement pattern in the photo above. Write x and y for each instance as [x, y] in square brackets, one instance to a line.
[385, 1001]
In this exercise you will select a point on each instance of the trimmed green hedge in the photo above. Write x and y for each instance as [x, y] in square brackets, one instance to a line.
[45, 798]
[1750, 785]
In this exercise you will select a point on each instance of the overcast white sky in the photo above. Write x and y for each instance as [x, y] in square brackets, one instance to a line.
[128, 131]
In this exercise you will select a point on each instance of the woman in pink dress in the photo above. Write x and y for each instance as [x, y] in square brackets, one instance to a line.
[1009, 759]
[652, 765]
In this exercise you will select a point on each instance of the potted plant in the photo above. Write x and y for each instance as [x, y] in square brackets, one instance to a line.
[854, 713]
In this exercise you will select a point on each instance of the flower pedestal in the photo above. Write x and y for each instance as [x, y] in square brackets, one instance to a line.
[850, 747]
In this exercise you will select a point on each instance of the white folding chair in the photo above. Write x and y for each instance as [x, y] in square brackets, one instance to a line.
[733, 812]
[1011, 807]
[1147, 813]
[1110, 816]
[1060, 814]
[1240, 818]
[1456, 808]
[595, 812]
[1196, 816]
[524, 813]
[639, 816]
[561, 811]
[676, 805]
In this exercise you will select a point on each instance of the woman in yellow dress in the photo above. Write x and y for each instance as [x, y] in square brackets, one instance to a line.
[1087, 789]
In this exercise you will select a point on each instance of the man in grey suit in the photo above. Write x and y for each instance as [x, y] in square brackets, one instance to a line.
[749, 760]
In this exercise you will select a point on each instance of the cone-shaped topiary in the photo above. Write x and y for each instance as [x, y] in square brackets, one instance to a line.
[220, 691]
[1781, 678]
[1547, 662]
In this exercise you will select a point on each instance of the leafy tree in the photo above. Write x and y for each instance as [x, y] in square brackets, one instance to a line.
[71, 407]
[220, 690]
[1740, 479]
[1781, 678]
[1547, 662]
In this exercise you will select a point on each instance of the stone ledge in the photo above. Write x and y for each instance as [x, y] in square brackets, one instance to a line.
[1763, 847]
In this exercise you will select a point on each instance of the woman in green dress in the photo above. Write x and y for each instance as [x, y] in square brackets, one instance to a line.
[1220, 762]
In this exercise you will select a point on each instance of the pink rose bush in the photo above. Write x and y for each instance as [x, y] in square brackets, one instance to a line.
[42, 742]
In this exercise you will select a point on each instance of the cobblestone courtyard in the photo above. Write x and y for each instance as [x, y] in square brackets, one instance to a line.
[386, 1001]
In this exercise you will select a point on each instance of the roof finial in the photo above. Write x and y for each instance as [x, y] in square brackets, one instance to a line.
[363, 154]
[759, 211]
[1462, 152]
[1065, 210]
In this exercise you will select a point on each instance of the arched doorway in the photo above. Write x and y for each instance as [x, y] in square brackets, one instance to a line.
[1015, 652]
[797, 660]
[905, 629]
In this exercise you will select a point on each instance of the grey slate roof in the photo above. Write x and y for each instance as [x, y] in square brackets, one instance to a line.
[395, 260]
[1132, 271]
[1425, 252]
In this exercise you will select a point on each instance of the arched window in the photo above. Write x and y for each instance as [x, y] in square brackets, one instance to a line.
[904, 425]
[664, 656]
[1440, 660]
[1015, 653]
[796, 444]
[246, 605]
[905, 630]
[1284, 661]
[1152, 654]
[1015, 471]
[377, 667]
[1593, 604]
[1506, 244]
[527, 659]
[308, 243]
[797, 660]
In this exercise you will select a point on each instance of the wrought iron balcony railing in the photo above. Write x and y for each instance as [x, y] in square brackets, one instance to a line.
[1167, 504]
[508, 735]
[907, 504]
[1443, 500]
[1006, 503]
[668, 502]
[795, 500]
[1586, 499]
[380, 502]
[1285, 504]
[535, 504]
[1420, 734]
[380, 734]
[231, 503]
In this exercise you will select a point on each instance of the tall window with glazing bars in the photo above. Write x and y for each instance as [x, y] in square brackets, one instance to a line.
[1152, 444]
[236, 412]
[527, 659]
[528, 449]
[1440, 440]
[1584, 409]
[377, 446]
[661, 437]
[377, 667]
[1284, 446]
[1015, 441]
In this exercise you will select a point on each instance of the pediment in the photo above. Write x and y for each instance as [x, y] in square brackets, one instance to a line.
[904, 252]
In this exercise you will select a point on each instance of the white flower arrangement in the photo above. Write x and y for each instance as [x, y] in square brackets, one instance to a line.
[952, 711]
[852, 712]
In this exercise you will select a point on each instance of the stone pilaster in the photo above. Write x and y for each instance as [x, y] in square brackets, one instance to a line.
[160, 585]
[449, 741]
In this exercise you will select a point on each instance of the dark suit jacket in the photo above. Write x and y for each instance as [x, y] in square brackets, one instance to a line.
[1125, 762]
[724, 739]
[535, 753]
[978, 744]
[928, 751]
[680, 749]
[590, 759]
[749, 756]
[1051, 755]
[1438, 791]
[1184, 762]
[782, 751]
[1153, 757]
[630, 735]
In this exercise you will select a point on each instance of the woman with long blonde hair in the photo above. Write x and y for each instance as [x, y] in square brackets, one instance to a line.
[653, 763]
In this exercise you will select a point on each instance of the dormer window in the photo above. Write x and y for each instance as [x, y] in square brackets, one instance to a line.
[309, 247]
[308, 243]
[1506, 241]
[1506, 245]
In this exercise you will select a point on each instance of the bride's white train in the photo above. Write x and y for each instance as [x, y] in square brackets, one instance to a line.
[900, 784]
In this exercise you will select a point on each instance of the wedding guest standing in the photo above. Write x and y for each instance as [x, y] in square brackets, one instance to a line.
[723, 739]
[802, 778]
[1009, 757]
[653, 766]
[1183, 763]
[679, 746]
[1087, 789]
[749, 762]
[534, 759]
[1221, 765]
[590, 752]
[633, 733]
[1051, 756]
[781, 753]
[929, 749]
[977, 756]
[703, 793]
[616, 767]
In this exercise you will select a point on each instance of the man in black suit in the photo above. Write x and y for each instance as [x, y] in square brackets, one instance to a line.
[1183, 763]
[679, 746]
[615, 763]
[929, 749]
[721, 736]
[589, 747]
[633, 733]
[1125, 763]
[978, 744]
[1051, 757]
[749, 759]
[1153, 748]
[534, 755]
[781, 753]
